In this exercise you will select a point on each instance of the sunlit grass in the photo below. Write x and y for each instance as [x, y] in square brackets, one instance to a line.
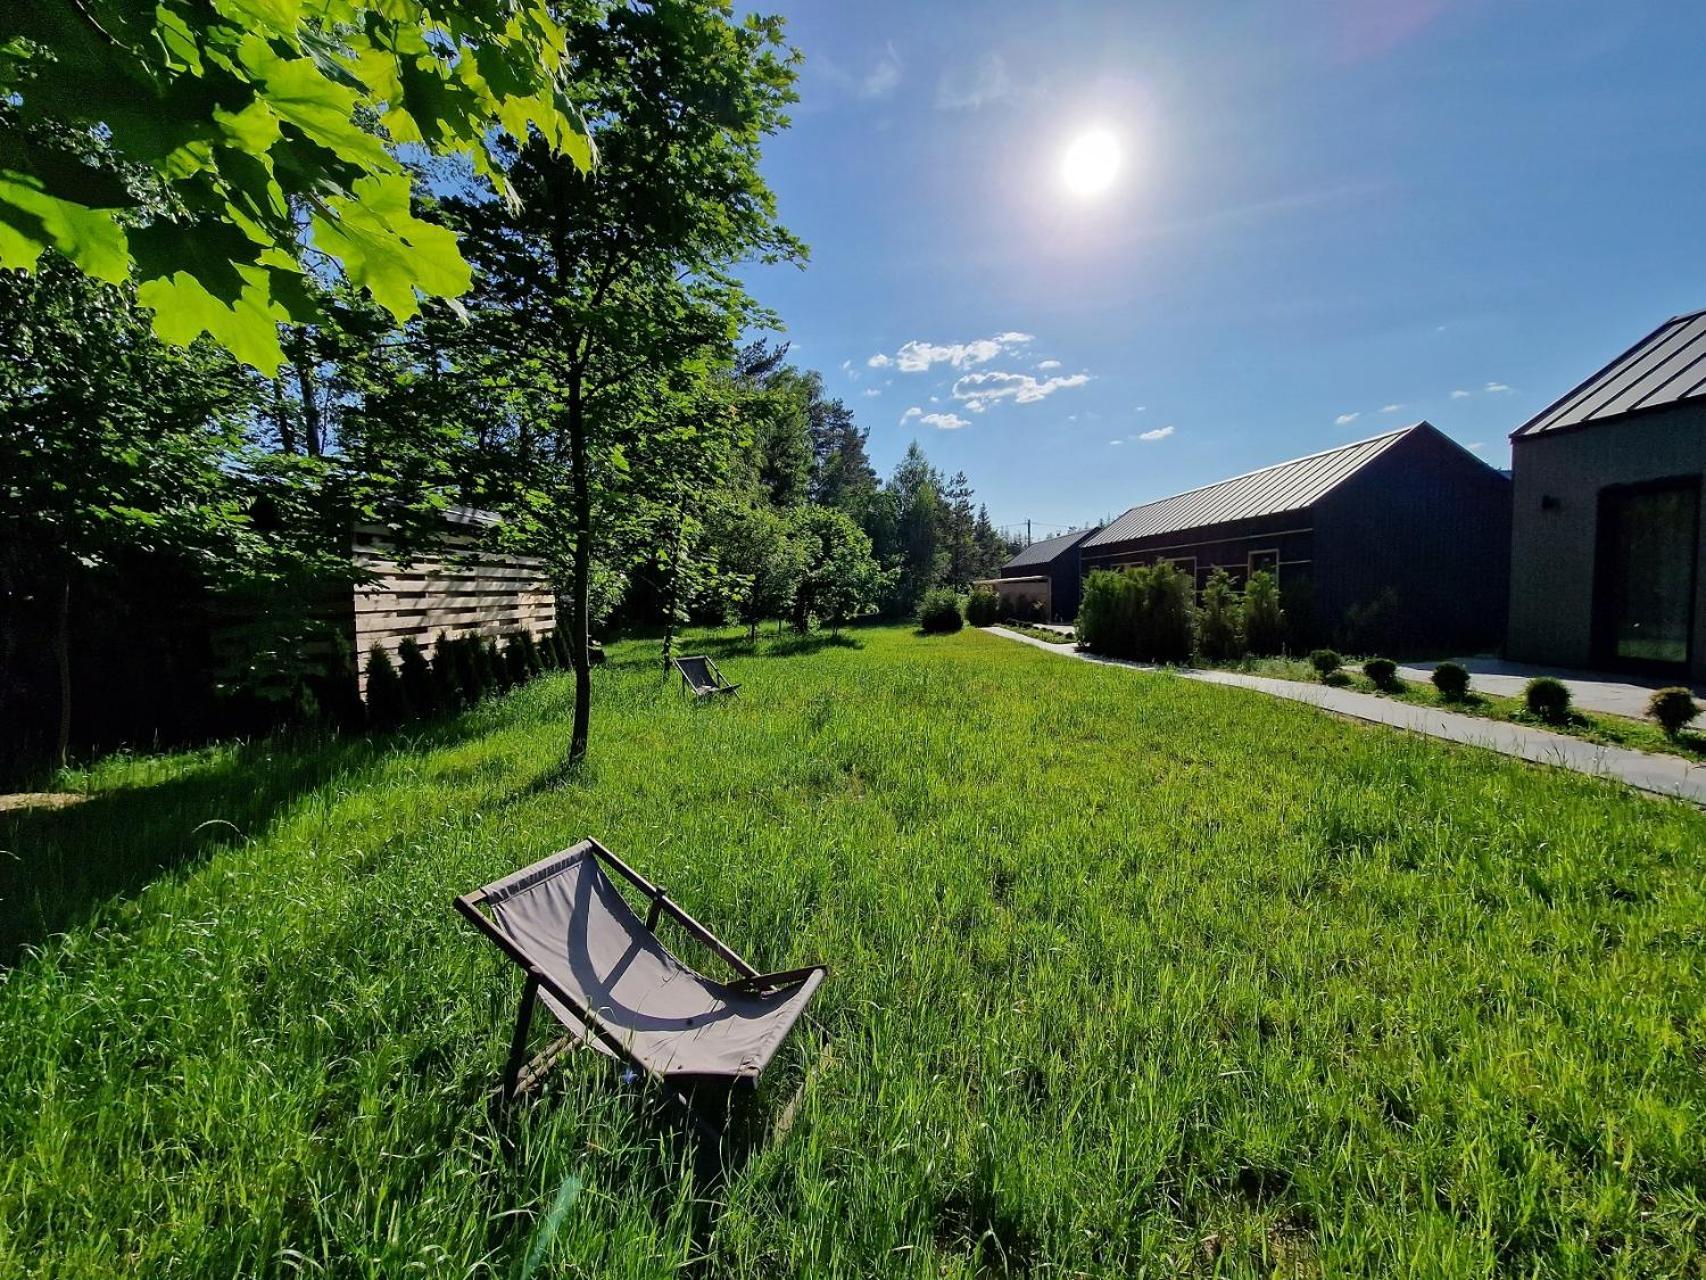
[1128, 973]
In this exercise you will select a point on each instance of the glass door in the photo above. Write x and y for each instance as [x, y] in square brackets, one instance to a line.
[1644, 579]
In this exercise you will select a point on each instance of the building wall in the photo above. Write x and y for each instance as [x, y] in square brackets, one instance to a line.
[457, 590]
[1020, 593]
[1553, 546]
[1418, 544]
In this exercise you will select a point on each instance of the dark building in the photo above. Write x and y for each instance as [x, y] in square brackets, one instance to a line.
[1606, 538]
[1399, 543]
[1045, 575]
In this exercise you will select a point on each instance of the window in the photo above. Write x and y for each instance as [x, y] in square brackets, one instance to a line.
[1265, 561]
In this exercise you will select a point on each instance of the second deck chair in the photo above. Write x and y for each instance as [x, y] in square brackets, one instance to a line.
[700, 674]
[603, 973]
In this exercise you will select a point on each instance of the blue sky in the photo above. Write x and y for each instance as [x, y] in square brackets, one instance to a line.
[1329, 218]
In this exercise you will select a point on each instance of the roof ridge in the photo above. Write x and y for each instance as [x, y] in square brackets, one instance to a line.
[1275, 466]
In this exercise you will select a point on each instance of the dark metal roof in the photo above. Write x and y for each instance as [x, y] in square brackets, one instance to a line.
[1666, 366]
[1044, 552]
[1287, 486]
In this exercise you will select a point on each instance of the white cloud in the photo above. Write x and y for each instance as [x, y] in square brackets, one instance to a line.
[1460, 394]
[1049, 364]
[945, 421]
[918, 356]
[873, 391]
[979, 390]
[967, 91]
[879, 361]
[1160, 433]
[1142, 408]
[1476, 447]
[1116, 442]
[881, 80]
[1390, 408]
[1345, 419]
[1497, 387]
[914, 412]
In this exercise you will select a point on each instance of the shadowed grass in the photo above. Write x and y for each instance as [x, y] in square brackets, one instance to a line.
[1127, 973]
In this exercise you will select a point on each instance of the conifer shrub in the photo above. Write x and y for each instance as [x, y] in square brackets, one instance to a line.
[1452, 681]
[492, 666]
[449, 685]
[983, 607]
[530, 652]
[420, 686]
[387, 702]
[1548, 699]
[516, 670]
[471, 669]
[1145, 612]
[1325, 662]
[939, 612]
[1382, 673]
[1674, 709]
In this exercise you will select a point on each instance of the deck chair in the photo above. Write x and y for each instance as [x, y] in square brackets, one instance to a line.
[603, 973]
[700, 674]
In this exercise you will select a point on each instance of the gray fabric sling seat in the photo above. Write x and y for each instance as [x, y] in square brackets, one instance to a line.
[606, 976]
[700, 674]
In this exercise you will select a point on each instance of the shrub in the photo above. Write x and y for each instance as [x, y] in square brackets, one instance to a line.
[1339, 678]
[1452, 681]
[1325, 662]
[1264, 619]
[939, 612]
[1220, 621]
[387, 702]
[1673, 708]
[983, 607]
[530, 652]
[449, 687]
[420, 686]
[516, 670]
[1383, 672]
[547, 646]
[1548, 698]
[493, 669]
[1144, 612]
[471, 669]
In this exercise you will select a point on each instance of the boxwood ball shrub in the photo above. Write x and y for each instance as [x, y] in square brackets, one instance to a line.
[1548, 698]
[1325, 662]
[939, 612]
[1452, 681]
[983, 607]
[1673, 708]
[1383, 672]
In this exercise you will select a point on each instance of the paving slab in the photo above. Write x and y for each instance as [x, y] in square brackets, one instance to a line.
[1658, 774]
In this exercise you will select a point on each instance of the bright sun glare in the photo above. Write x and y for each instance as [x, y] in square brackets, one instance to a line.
[1091, 162]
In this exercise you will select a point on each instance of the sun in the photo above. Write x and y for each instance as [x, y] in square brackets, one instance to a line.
[1091, 162]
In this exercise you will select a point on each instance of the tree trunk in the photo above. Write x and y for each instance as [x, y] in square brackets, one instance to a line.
[313, 435]
[62, 659]
[672, 597]
[580, 497]
[281, 417]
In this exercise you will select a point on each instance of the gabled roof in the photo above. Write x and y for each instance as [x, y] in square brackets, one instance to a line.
[1286, 486]
[1666, 366]
[1044, 552]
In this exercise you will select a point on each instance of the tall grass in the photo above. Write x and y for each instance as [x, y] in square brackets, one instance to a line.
[1129, 973]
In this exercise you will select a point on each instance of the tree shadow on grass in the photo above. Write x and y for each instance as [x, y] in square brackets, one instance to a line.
[60, 866]
[788, 645]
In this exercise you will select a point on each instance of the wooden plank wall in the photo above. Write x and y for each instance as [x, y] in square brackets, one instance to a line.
[457, 591]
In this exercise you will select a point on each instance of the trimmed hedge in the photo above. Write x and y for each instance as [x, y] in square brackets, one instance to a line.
[1674, 709]
[939, 612]
[1548, 698]
[983, 607]
[1382, 672]
[1452, 681]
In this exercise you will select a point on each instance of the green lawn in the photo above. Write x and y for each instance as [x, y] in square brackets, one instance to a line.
[1129, 974]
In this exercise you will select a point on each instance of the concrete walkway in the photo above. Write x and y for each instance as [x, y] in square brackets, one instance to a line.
[1661, 775]
[1589, 691]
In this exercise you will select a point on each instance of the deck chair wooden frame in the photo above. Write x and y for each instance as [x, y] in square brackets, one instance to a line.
[582, 1024]
[717, 684]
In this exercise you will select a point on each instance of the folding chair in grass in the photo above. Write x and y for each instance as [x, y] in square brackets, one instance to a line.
[700, 674]
[603, 973]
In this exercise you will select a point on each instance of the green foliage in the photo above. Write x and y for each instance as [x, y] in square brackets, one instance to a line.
[1548, 699]
[449, 674]
[1303, 960]
[839, 579]
[517, 669]
[1145, 612]
[1325, 662]
[1383, 672]
[420, 686]
[1220, 629]
[387, 700]
[472, 670]
[1674, 708]
[1264, 618]
[494, 671]
[939, 612]
[1452, 681]
[247, 120]
[983, 607]
[1371, 624]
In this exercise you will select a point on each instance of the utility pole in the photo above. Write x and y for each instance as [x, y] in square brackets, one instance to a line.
[1027, 531]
